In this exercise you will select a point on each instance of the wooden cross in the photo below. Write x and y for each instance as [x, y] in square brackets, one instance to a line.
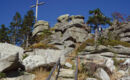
[37, 4]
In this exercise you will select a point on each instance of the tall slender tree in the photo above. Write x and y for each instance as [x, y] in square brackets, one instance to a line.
[97, 18]
[14, 28]
[27, 25]
[4, 34]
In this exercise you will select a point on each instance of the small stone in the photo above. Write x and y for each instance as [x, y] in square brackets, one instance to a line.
[91, 79]
[67, 64]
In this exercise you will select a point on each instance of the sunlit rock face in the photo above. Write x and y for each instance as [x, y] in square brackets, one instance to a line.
[39, 27]
[70, 30]
[121, 31]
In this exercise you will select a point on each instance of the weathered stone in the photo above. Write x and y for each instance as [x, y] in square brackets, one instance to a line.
[111, 55]
[120, 31]
[120, 49]
[40, 26]
[125, 78]
[91, 79]
[67, 64]
[23, 77]
[101, 48]
[66, 73]
[96, 57]
[127, 62]
[10, 57]
[68, 43]
[41, 57]
[125, 39]
[110, 64]
[77, 18]
[79, 34]
[63, 18]
[101, 74]
[89, 48]
[121, 72]
[33, 61]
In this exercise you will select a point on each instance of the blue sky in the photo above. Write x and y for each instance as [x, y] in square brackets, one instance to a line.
[54, 8]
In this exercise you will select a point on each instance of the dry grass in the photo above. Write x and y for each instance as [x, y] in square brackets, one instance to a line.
[41, 45]
[116, 75]
[85, 43]
[113, 42]
[81, 76]
[40, 74]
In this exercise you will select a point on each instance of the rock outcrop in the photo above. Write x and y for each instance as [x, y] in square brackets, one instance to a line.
[118, 30]
[39, 27]
[10, 57]
[42, 58]
[70, 30]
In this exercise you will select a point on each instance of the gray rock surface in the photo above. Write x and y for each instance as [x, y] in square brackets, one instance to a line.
[101, 74]
[110, 64]
[23, 77]
[67, 64]
[66, 73]
[63, 18]
[41, 57]
[125, 78]
[10, 56]
[74, 30]
[91, 79]
[117, 30]
[120, 49]
[79, 34]
[77, 19]
[39, 27]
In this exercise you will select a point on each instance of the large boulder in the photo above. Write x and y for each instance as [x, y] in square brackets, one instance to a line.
[119, 31]
[10, 57]
[63, 18]
[41, 57]
[77, 19]
[79, 34]
[40, 26]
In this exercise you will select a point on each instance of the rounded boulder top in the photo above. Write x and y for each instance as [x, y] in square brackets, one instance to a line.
[41, 22]
[63, 18]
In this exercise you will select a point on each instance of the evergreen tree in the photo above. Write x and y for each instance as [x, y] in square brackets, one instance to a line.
[14, 28]
[97, 19]
[26, 29]
[4, 34]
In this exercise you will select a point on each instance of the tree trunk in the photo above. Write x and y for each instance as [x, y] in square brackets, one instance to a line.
[27, 44]
[96, 36]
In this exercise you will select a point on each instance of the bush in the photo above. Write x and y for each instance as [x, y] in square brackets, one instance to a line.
[2, 75]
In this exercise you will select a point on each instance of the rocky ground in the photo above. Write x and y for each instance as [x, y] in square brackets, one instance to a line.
[71, 37]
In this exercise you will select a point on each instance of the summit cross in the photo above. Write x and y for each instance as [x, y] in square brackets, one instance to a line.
[37, 4]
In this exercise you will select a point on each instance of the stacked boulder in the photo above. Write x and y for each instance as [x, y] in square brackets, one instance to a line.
[122, 31]
[39, 27]
[70, 30]
[10, 57]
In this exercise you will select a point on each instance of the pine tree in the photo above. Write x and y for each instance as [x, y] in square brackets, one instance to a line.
[14, 28]
[26, 29]
[97, 19]
[4, 34]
